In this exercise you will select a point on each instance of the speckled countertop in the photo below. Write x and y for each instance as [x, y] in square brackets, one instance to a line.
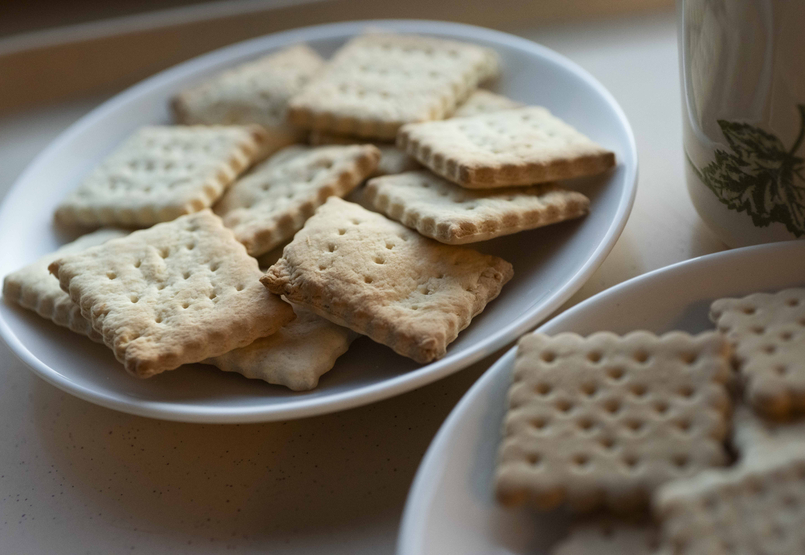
[76, 478]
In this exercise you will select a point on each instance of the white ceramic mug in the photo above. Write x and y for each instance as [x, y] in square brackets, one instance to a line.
[742, 65]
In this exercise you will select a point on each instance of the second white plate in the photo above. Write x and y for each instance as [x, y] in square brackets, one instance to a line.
[550, 264]
[450, 507]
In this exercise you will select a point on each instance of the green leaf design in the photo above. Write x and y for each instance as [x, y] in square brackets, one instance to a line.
[759, 177]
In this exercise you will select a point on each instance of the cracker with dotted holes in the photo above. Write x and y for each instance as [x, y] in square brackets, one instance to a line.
[604, 420]
[161, 173]
[360, 270]
[34, 288]
[513, 147]
[754, 436]
[392, 159]
[745, 510]
[271, 203]
[485, 102]
[608, 536]
[174, 294]
[377, 82]
[296, 356]
[767, 331]
[454, 215]
[254, 92]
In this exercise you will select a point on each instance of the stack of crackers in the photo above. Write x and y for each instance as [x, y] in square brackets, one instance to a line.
[261, 157]
[670, 445]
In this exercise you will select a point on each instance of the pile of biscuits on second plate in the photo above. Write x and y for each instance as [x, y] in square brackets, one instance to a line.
[232, 182]
[676, 445]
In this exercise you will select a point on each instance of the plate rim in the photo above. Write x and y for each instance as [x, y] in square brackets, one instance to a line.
[391, 387]
[411, 529]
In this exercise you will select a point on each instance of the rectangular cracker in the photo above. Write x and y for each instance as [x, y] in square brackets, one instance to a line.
[271, 203]
[362, 271]
[161, 173]
[377, 82]
[512, 147]
[174, 294]
[34, 288]
[768, 335]
[392, 159]
[485, 102]
[454, 215]
[296, 356]
[604, 420]
[254, 92]
[746, 510]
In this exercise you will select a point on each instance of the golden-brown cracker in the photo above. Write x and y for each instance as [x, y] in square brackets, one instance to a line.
[377, 82]
[512, 147]
[360, 270]
[177, 293]
[272, 202]
[161, 173]
[454, 215]
[254, 92]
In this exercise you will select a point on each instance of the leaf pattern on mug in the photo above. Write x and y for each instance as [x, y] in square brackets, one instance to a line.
[760, 176]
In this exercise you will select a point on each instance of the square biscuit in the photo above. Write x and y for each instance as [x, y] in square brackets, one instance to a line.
[296, 356]
[454, 215]
[254, 92]
[360, 270]
[485, 102]
[161, 173]
[605, 420]
[748, 509]
[392, 159]
[174, 294]
[378, 81]
[271, 203]
[34, 288]
[767, 331]
[512, 147]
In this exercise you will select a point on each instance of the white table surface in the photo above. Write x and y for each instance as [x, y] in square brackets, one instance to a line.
[76, 478]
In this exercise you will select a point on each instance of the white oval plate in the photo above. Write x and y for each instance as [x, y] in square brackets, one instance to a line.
[450, 507]
[550, 264]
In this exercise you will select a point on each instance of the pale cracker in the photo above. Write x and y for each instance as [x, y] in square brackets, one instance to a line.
[161, 173]
[454, 215]
[768, 335]
[608, 536]
[392, 159]
[34, 288]
[254, 92]
[296, 356]
[177, 293]
[754, 437]
[377, 82]
[604, 420]
[512, 147]
[747, 510]
[485, 102]
[362, 271]
[271, 203]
